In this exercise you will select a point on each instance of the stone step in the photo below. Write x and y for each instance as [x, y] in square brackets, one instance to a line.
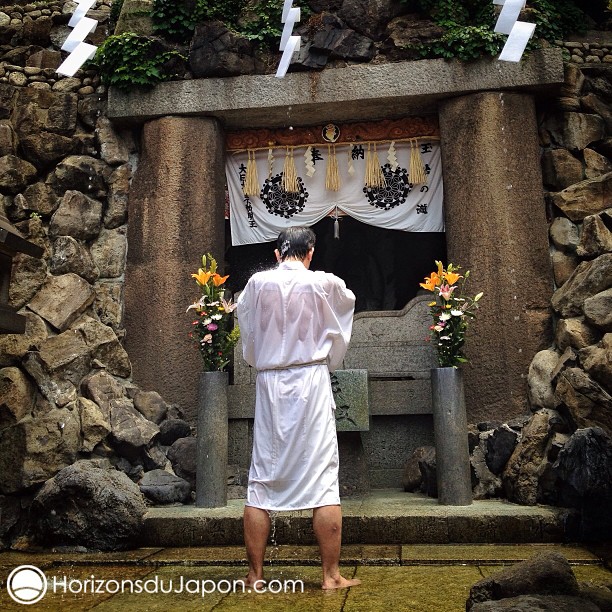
[381, 517]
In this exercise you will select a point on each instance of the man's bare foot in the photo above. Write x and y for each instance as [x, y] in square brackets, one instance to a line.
[253, 581]
[339, 583]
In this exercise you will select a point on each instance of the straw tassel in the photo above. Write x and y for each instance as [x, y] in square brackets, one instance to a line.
[374, 176]
[332, 176]
[290, 182]
[417, 168]
[251, 180]
[270, 162]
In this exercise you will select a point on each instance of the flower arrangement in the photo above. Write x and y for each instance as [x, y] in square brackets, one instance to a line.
[212, 329]
[451, 312]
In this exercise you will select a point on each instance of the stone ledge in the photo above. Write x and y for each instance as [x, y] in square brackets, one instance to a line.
[382, 517]
[353, 93]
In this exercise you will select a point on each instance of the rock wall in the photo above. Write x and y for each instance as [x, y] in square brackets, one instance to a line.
[66, 394]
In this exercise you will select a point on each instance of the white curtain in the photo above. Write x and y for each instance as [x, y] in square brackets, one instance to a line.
[399, 205]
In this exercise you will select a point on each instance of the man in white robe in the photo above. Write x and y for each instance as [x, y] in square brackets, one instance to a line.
[295, 326]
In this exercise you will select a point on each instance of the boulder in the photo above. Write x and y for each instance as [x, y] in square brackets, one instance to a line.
[113, 149]
[35, 449]
[161, 487]
[39, 110]
[563, 265]
[172, 430]
[17, 396]
[94, 426]
[588, 197]
[105, 346]
[15, 174]
[529, 459]
[28, 275]
[588, 279]
[62, 299]
[109, 251]
[13, 347]
[597, 362]
[218, 52]
[564, 234]
[369, 17]
[108, 304]
[70, 255]
[337, 41]
[8, 138]
[151, 405]
[40, 199]
[411, 477]
[405, 34]
[575, 333]
[429, 476]
[539, 379]
[598, 310]
[499, 448]
[84, 505]
[118, 189]
[78, 216]
[541, 603]
[596, 164]
[154, 458]
[43, 149]
[560, 169]
[596, 236]
[575, 131]
[545, 574]
[485, 484]
[182, 455]
[583, 479]
[130, 430]
[582, 400]
[10, 511]
[80, 173]
[102, 388]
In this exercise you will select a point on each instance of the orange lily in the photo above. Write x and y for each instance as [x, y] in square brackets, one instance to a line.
[202, 277]
[219, 280]
[451, 277]
[431, 282]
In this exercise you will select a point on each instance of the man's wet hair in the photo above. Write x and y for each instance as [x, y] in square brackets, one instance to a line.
[295, 242]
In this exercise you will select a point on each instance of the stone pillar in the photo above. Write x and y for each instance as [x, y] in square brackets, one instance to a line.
[176, 213]
[496, 227]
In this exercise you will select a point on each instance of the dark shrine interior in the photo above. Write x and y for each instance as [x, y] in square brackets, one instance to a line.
[382, 267]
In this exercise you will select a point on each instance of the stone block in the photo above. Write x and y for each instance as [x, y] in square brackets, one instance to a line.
[350, 389]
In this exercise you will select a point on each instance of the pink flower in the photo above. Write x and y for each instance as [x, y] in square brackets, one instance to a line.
[446, 291]
[207, 338]
[212, 327]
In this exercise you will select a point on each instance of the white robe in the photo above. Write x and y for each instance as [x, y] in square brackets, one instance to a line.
[295, 326]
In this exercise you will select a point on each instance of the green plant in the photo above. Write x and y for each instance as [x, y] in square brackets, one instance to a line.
[175, 19]
[451, 312]
[128, 59]
[113, 17]
[468, 25]
[212, 328]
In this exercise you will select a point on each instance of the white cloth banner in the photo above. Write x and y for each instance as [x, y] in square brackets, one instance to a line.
[399, 205]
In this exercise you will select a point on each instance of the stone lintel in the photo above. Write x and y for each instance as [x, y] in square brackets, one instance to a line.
[353, 93]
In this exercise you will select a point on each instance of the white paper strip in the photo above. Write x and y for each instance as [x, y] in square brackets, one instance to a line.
[76, 59]
[294, 15]
[82, 29]
[80, 11]
[508, 16]
[292, 46]
[517, 41]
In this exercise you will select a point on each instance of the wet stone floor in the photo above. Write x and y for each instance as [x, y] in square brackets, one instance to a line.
[419, 578]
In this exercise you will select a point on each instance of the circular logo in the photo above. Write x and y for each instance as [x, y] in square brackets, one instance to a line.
[394, 192]
[281, 203]
[26, 584]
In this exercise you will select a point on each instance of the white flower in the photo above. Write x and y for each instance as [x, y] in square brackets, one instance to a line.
[445, 316]
[457, 313]
[216, 317]
[207, 320]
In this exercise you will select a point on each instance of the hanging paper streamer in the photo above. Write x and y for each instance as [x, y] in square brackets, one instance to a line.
[270, 162]
[392, 157]
[374, 176]
[332, 176]
[349, 164]
[290, 182]
[289, 44]
[519, 32]
[417, 168]
[80, 51]
[251, 181]
[310, 167]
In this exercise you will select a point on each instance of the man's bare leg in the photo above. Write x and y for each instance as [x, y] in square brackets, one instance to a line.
[256, 531]
[327, 525]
